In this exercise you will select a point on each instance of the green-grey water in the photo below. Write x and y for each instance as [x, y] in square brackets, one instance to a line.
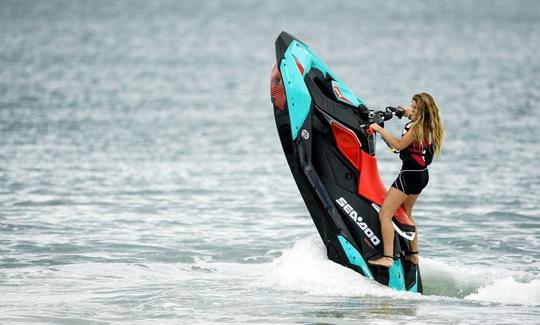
[142, 179]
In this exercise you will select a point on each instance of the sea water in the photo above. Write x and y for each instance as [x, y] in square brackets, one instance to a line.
[142, 180]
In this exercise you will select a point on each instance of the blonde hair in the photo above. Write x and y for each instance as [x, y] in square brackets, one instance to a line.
[428, 124]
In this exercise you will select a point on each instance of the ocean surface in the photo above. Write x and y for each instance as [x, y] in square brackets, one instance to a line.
[142, 180]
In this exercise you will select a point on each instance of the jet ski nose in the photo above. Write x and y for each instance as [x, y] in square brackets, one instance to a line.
[277, 91]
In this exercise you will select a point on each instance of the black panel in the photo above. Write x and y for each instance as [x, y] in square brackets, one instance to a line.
[340, 180]
[381, 274]
[365, 215]
[345, 177]
[352, 117]
[411, 270]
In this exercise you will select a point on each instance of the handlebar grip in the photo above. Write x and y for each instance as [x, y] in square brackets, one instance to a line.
[370, 131]
[398, 111]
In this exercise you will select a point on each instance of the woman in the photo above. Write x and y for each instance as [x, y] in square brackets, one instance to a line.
[421, 138]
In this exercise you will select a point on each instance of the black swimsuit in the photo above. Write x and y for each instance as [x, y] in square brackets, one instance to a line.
[414, 175]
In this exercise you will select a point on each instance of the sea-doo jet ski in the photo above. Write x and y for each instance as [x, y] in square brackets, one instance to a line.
[324, 131]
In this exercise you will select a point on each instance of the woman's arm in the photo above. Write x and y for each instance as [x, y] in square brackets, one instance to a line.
[398, 144]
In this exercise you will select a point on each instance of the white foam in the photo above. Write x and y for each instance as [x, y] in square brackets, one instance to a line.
[306, 268]
[477, 282]
[442, 279]
[509, 291]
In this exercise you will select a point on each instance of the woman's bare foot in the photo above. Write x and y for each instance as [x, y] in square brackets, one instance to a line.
[383, 261]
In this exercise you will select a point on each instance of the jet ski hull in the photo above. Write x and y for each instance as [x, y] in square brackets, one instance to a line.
[332, 159]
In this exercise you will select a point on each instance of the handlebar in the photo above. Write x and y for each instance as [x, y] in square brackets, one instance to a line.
[380, 116]
[397, 111]
[377, 117]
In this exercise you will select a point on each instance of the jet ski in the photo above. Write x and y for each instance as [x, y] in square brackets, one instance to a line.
[324, 131]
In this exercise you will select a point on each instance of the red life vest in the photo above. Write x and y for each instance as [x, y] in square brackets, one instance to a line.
[416, 155]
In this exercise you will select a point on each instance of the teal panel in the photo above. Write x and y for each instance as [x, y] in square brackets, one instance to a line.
[397, 276]
[354, 256]
[298, 97]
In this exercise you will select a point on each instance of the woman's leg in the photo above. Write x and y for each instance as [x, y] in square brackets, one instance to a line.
[394, 198]
[408, 205]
